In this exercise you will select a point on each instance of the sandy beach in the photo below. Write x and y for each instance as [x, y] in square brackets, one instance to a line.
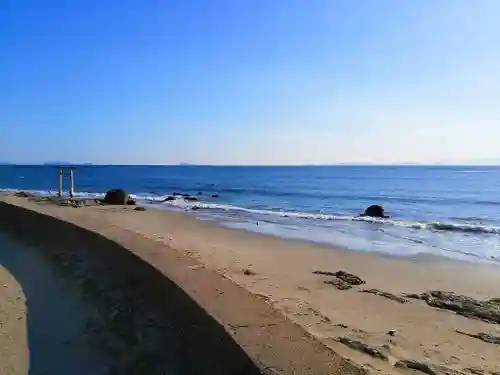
[13, 353]
[374, 320]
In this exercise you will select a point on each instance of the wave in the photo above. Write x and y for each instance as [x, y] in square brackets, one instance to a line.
[433, 225]
[181, 203]
[473, 171]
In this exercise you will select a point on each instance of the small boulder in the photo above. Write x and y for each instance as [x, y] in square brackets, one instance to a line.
[23, 194]
[215, 195]
[116, 196]
[349, 278]
[130, 202]
[140, 208]
[169, 198]
[190, 198]
[375, 211]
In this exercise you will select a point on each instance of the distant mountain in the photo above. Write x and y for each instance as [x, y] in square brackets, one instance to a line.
[57, 163]
[486, 161]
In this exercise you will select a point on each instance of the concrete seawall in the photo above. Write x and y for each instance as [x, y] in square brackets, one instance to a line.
[217, 326]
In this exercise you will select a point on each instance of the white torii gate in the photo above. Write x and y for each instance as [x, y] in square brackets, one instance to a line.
[71, 182]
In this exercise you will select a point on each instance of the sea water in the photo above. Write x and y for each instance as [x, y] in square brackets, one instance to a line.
[452, 211]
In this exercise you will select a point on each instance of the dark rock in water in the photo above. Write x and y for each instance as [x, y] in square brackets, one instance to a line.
[199, 193]
[23, 194]
[169, 198]
[486, 310]
[175, 193]
[116, 196]
[140, 208]
[130, 202]
[190, 198]
[195, 208]
[375, 211]
[215, 195]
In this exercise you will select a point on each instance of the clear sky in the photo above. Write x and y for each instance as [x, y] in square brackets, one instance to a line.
[249, 81]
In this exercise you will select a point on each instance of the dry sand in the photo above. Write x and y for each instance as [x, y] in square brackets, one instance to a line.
[13, 337]
[283, 272]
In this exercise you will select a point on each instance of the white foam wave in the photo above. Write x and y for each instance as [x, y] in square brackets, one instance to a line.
[466, 228]
[472, 171]
[435, 225]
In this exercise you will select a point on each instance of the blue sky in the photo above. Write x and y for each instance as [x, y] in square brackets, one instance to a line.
[249, 81]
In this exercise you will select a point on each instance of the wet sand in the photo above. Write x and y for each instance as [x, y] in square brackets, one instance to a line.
[373, 329]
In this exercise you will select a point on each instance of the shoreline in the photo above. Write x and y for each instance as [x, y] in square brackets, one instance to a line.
[280, 273]
[419, 257]
[396, 236]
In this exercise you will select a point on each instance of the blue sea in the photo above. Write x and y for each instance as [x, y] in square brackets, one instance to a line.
[452, 211]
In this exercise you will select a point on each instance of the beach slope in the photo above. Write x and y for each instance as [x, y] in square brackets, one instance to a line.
[288, 306]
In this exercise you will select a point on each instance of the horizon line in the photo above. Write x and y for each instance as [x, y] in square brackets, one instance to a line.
[347, 164]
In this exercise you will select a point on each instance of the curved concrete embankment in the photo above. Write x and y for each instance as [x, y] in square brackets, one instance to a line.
[218, 327]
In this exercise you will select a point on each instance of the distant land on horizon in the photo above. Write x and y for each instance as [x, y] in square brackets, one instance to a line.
[482, 162]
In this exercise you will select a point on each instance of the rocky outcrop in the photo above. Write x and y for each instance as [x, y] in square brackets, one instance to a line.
[363, 348]
[486, 337]
[387, 295]
[349, 278]
[116, 196]
[486, 310]
[131, 202]
[426, 368]
[23, 194]
[339, 284]
[343, 280]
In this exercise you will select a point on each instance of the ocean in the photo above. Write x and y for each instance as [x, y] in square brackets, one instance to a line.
[451, 211]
